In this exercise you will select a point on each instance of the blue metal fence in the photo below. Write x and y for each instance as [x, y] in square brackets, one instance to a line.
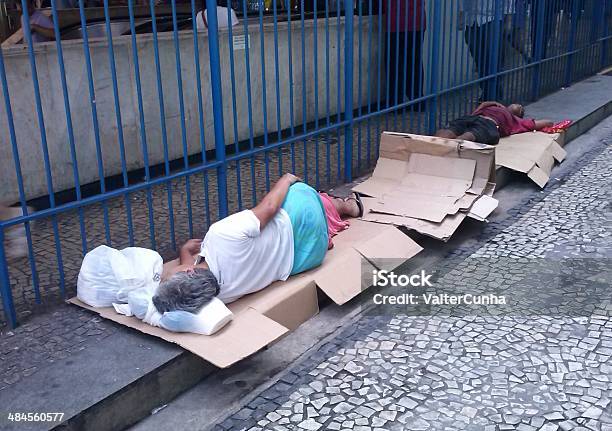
[171, 136]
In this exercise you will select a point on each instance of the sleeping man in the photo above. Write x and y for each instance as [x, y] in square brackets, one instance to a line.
[490, 122]
[288, 232]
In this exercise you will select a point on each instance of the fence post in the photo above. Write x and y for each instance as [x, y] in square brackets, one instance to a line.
[495, 46]
[217, 102]
[434, 79]
[348, 90]
[539, 47]
[572, 42]
[5, 286]
[607, 9]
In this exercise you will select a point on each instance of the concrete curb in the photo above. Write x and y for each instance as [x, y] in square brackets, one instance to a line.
[137, 400]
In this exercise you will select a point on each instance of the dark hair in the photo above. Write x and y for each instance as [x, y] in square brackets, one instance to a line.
[187, 291]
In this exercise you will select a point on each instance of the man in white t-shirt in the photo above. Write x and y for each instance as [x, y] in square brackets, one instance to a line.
[288, 232]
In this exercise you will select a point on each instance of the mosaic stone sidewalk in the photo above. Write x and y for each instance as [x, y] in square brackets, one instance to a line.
[516, 371]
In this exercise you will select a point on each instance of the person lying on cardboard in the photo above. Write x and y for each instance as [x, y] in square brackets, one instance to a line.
[288, 232]
[490, 122]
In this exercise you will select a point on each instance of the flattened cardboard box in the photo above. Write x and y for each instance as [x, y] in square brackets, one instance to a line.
[247, 333]
[468, 171]
[442, 231]
[401, 146]
[531, 153]
[264, 317]
[446, 174]
[439, 181]
[483, 207]
[360, 248]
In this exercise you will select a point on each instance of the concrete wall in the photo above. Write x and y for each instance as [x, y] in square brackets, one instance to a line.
[452, 72]
[24, 107]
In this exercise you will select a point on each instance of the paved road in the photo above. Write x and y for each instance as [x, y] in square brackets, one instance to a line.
[543, 361]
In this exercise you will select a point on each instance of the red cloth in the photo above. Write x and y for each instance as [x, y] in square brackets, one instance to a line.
[508, 123]
[335, 223]
[559, 127]
[416, 15]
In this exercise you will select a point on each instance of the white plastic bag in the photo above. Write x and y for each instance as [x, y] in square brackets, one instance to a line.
[139, 268]
[97, 285]
[108, 275]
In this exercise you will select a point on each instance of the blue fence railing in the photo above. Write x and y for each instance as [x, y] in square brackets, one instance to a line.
[156, 122]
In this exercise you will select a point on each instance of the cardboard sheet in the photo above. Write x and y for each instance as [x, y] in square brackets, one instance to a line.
[483, 207]
[464, 203]
[340, 278]
[489, 189]
[558, 151]
[409, 204]
[402, 147]
[246, 334]
[442, 167]
[387, 245]
[424, 178]
[531, 153]
[297, 294]
[436, 182]
[539, 176]
[422, 175]
[442, 231]
[360, 248]
[264, 317]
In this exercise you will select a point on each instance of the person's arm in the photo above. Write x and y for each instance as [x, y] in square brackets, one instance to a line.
[271, 203]
[484, 105]
[47, 32]
[540, 124]
[189, 251]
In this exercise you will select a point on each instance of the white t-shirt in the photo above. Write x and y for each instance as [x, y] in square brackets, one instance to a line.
[245, 259]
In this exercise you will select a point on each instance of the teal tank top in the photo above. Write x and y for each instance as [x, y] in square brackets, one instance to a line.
[309, 224]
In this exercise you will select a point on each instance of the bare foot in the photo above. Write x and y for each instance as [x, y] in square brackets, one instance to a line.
[351, 207]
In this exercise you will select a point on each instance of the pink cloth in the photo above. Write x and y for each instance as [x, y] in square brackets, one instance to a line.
[558, 128]
[509, 124]
[335, 223]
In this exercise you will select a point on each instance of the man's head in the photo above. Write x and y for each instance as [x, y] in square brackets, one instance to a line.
[186, 290]
[517, 109]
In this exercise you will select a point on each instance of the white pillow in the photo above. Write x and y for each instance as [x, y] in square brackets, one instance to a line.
[210, 319]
